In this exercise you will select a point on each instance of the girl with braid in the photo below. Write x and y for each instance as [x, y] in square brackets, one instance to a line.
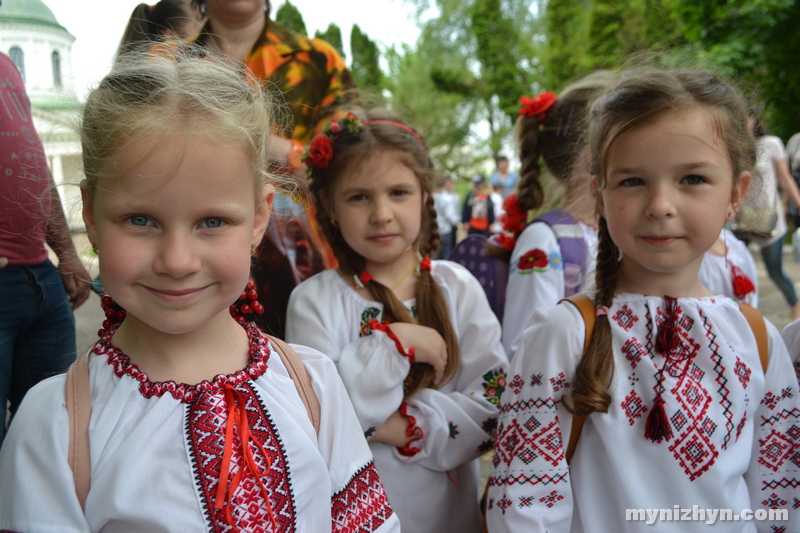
[678, 404]
[414, 340]
[553, 256]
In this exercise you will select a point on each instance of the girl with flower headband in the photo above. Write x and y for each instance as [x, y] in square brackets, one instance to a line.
[197, 423]
[553, 129]
[414, 340]
[682, 399]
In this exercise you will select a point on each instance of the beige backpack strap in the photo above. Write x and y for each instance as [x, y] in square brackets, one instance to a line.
[79, 411]
[301, 377]
[756, 321]
[587, 309]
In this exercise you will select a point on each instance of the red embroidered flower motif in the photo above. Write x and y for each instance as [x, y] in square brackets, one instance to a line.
[536, 258]
[514, 218]
[742, 286]
[537, 106]
[320, 152]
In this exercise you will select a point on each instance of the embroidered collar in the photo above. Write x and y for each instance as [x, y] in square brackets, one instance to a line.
[256, 366]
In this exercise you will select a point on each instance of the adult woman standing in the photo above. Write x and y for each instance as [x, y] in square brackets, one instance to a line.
[773, 172]
[313, 79]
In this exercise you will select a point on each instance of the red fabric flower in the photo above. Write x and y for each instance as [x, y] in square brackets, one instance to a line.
[536, 258]
[506, 241]
[537, 106]
[514, 218]
[320, 152]
[742, 286]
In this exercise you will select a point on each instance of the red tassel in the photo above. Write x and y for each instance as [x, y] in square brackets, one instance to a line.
[742, 286]
[668, 339]
[657, 427]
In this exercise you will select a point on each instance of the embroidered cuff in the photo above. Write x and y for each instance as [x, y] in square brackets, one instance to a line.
[377, 326]
[413, 430]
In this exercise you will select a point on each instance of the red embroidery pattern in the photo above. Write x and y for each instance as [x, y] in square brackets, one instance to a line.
[774, 450]
[742, 372]
[722, 390]
[694, 452]
[516, 384]
[518, 441]
[206, 418]
[256, 366]
[559, 382]
[551, 499]
[625, 318]
[634, 351]
[633, 406]
[362, 505]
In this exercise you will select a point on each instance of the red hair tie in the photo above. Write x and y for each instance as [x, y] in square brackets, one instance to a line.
[537, 106]
[424, 264]
[362, 279]
[401, 126]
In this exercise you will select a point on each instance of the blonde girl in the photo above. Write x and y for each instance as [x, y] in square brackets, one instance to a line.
[414, 340]
[679, 411]
[195, 423]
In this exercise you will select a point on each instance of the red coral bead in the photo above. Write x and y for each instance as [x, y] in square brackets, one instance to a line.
[252, 295]
[245, 309]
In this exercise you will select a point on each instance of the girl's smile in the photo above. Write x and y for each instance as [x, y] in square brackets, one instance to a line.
[175, 230]
[669, 190]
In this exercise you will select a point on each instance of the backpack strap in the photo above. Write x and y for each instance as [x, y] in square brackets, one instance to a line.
[302, 379]
[756, 322]
[586, 306]
[79, 411]
[574, 251]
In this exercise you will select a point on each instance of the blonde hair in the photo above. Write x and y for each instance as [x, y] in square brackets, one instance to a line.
[156, 92]
[351, 150]
[640, 97]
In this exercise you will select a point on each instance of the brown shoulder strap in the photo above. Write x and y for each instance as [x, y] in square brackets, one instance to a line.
[79, 411]
[587, 309]
[756, 321]
[301, 377]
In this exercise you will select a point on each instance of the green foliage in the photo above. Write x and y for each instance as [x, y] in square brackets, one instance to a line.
[566, 27]
[333, 36]
[365, 67]
[289, 16]
[615, 31]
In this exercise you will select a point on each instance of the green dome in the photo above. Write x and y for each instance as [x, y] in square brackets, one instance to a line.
[30, 11]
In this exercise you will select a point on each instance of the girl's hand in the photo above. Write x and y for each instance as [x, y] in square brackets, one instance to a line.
[429, 346]
[393, 432]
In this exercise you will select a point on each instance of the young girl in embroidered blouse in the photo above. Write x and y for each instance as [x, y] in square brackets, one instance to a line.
[196, 423]
[553, 129]
[414, 340]
[679, 412]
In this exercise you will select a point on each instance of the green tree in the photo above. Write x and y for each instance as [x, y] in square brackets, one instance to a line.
[332, 35]
[566, 30]
[289, 16]
[365, 66]
[615, 32]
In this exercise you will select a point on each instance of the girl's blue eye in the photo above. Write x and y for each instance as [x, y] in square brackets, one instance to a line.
[694, 180]
[139, 220]
[212, 223]
[631, 182]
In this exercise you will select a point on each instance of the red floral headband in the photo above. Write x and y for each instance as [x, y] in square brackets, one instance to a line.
[537, 106]
[320, 152]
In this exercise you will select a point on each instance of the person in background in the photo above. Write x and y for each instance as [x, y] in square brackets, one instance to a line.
[496, 196]
[771, 181]
[168, 19]
[37, 326]
[793, 158]
[448, 205]
[503, 177]
[477, 214]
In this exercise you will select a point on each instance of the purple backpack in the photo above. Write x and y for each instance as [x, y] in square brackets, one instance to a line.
[573, 247]
[492, 273]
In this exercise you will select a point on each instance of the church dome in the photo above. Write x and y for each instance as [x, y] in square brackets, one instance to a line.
[28, 11]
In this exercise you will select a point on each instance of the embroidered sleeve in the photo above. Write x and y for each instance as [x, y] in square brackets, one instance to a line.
[774, 474]
[529, 486]
[358, 500]
[457, 421]
[535, 279]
